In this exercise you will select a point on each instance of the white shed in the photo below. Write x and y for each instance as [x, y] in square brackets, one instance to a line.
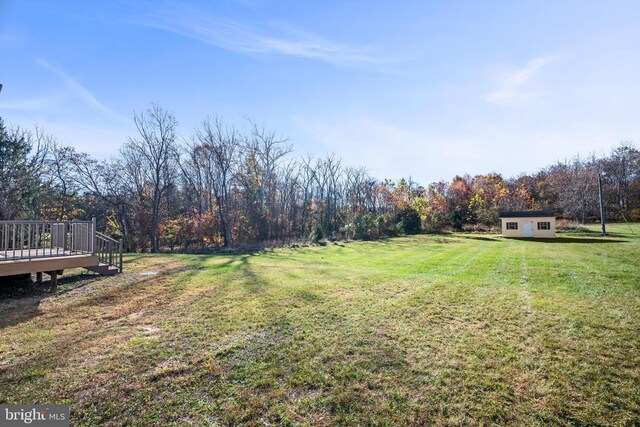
[529, 224]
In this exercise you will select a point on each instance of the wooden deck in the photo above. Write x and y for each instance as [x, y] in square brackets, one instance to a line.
[53, 246]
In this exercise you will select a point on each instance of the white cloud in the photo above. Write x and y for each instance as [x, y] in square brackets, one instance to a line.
[79, 91]
[514, 84]
[237, 37]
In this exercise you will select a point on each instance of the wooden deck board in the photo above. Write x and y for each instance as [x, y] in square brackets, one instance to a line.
[34, 265]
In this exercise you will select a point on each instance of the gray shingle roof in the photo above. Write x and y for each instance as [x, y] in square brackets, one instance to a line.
[527, 214]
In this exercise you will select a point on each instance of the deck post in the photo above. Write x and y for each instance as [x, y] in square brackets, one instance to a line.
[120, 243]
[93, 234]
[54, 280]
[39, 277]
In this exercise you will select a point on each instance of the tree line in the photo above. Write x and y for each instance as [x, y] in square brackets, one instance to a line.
[228, 187]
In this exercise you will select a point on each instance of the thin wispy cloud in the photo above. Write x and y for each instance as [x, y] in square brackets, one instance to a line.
[237, 37]
[79, 91]
[34, 104]
[514, 85]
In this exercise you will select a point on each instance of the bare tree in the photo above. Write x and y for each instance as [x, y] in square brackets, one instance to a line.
[151, 159]
[622, 168]
[264, 151]
[216, 156]
[576, 184]
[308, 178]
[328, 172]
[62, 179]
[107, 183]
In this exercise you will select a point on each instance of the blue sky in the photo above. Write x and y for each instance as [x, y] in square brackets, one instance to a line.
[420, 88]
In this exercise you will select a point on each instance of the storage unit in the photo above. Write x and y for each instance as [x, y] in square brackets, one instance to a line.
[529, 224]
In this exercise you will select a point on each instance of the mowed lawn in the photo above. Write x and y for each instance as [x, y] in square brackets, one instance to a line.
[448, 330]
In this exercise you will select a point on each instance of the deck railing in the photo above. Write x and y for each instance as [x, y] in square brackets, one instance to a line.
[109, 250]
[25, 240]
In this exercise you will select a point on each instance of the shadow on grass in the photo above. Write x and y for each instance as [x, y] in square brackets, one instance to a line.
[254, 282]
[242, 265]
[131, 258]
[569, 240]
[441, 237]
[31, 288]
[198, 255]
[484, 239]
[578, 230]
[22, 303]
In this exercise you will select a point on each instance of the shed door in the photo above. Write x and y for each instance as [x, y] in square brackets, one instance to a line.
[527, 229]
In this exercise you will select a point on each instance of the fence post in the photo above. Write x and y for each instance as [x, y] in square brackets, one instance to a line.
[120, 250]
[93, 233]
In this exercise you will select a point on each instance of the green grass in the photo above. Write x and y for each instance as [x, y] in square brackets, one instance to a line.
[446, 330]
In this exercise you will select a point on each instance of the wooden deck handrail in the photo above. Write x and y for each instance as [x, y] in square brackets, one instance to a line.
[33, 221]
[105, 237]
[106, 248]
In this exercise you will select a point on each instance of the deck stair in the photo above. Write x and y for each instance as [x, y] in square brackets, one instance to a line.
[104, 269]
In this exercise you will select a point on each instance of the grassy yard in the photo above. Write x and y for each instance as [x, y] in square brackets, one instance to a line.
[446, 330]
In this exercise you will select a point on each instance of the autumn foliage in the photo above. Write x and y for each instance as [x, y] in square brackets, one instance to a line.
[225, 187]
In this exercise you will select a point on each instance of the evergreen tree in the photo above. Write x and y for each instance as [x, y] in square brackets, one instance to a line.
[18, 186]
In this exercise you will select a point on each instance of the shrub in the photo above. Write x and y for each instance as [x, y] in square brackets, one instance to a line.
[316, 233]
[364, 227]
[171, 233]
[457, 220]
[410, 220]
[386, 225]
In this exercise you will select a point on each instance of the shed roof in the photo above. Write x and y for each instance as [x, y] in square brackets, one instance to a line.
[527, 214]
